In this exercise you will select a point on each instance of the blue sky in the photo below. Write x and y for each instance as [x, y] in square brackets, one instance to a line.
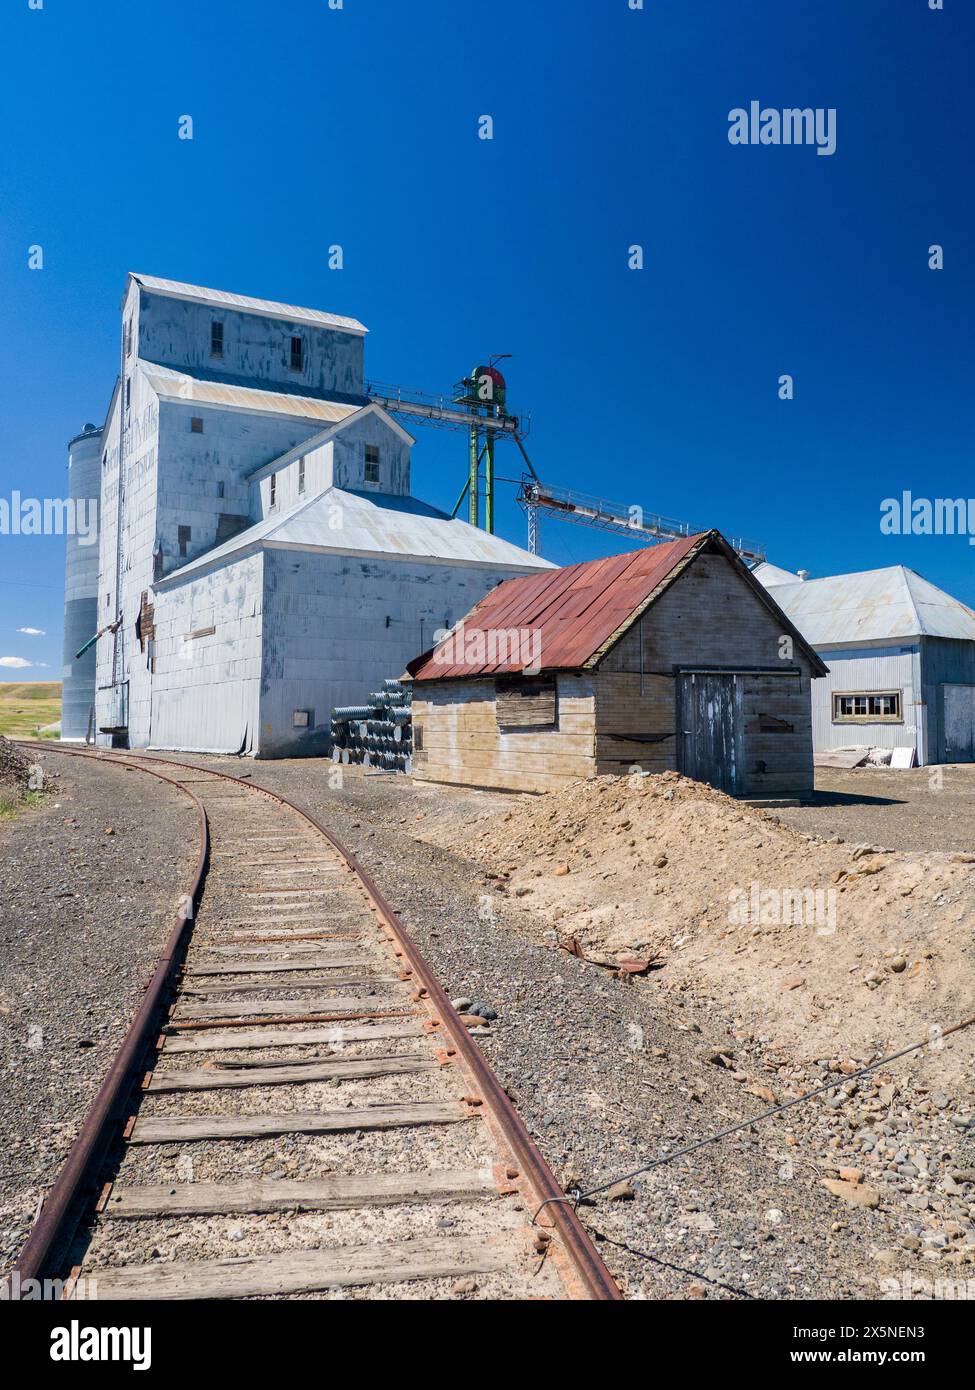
[358, 126]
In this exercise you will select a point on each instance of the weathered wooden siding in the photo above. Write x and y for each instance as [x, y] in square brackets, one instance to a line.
[707, 617]
[462, 743]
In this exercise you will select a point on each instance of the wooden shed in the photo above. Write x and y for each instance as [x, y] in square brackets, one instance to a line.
[670, 657]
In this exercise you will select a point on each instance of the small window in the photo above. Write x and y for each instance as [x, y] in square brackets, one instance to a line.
[220, 489]
[274, 489]
[196, 425]
[216, 338]
[128, 393]
[301, 475]
[128, 339]
[297, 355]
[871, 706]
[303, 718]
[372, 463]
[185, 535]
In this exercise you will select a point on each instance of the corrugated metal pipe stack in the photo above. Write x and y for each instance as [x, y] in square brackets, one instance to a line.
[378, 734]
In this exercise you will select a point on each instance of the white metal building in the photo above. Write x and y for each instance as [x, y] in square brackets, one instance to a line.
[263, 559]
[901, 658]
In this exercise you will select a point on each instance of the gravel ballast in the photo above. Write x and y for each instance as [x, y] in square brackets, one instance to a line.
[90, 879]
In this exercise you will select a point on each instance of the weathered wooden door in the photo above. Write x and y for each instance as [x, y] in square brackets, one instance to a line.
[959, 723]
[710, 731]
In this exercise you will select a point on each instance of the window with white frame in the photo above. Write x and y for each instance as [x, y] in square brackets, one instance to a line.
[274, 490]
[301, 475]
[879, 706]
[372, 463]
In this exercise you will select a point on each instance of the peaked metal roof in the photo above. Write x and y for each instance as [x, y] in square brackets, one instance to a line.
[294, 313]
[173, 385]
[581, 611]
[372, 524]
[574, 611]
[770, 575]
[880, 605]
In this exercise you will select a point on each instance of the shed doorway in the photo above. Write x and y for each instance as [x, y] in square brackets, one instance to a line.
[710, 726]
[959, 723]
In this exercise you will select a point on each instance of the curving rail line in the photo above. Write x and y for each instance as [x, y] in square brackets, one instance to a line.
[249, 1007]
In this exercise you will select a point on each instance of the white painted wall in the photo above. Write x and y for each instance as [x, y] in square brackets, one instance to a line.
[206, 689]
[336, 626]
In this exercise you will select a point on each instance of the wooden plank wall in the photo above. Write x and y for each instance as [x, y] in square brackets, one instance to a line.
[462, 743]
[708, 617]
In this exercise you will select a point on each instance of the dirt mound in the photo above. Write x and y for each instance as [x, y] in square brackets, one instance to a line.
[826, 948]
[14, 769]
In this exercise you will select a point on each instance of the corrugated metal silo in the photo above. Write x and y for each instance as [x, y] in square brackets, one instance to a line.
[81, 584]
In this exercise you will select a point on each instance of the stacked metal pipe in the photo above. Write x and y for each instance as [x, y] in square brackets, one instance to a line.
[378, 734]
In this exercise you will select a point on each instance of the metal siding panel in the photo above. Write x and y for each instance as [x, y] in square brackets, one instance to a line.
[860, 670]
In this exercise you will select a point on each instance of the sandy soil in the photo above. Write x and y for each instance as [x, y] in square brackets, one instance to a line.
[828, 949]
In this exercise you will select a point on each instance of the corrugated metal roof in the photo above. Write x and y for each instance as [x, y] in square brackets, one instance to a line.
[183, 386]
[372, 524]
[575, 611]
[873, 606]
[175, 289]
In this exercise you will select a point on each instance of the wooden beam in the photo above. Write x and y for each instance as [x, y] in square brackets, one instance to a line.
[304, 1271]
[310, 961]
[291, 985]
[179, 1129]
[230, 1078]
[334, 1193]
[213, 1040]
[279, 1008]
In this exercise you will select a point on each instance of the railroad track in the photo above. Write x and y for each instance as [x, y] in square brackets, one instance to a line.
[297, 1109]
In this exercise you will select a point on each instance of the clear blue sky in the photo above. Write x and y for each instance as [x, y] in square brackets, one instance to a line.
[315, 126]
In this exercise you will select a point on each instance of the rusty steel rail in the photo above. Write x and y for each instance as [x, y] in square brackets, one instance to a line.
[63, 1206]
[559, 1226]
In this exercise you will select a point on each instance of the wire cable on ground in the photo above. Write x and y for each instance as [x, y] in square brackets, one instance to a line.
[577, 1196]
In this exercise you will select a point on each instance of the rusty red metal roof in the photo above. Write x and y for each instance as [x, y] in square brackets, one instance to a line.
[567, 614]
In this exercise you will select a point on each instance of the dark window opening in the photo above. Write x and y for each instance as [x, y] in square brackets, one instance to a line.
[220, 489]
[228, 524]
[274, 489]
[216, 339]
[128, 339]
[128, 393]
[301, 475]
[196, 425]
[297, 355]
[372, 463]
[185, 535]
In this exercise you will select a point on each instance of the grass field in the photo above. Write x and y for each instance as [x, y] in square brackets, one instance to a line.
[27, 706]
